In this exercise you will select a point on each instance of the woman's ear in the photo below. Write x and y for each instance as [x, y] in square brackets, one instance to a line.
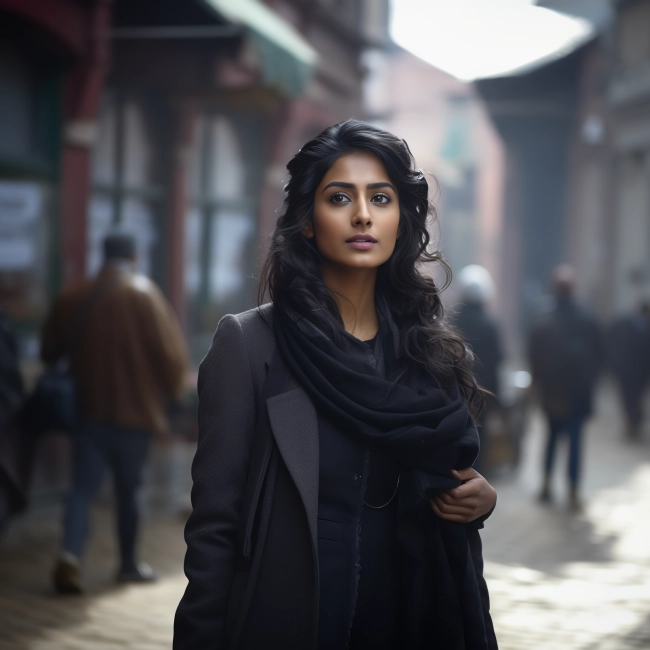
[308, 230]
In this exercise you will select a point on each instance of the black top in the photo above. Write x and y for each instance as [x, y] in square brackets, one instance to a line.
[357, 545]
[375, 617]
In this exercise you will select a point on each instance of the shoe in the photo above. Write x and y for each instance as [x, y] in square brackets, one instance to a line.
[66, 577]
[545, 494]
[142, 573]
[575, 502]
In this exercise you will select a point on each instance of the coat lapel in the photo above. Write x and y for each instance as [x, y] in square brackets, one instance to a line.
[295, 427]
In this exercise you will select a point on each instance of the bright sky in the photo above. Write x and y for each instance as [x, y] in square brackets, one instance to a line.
[471, 39]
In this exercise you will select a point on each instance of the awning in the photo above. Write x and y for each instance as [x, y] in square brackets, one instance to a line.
[286, 59]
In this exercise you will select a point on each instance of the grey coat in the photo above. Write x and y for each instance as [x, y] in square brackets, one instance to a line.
[281, 601]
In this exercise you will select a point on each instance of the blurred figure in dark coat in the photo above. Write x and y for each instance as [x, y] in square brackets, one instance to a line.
[12, 390]
[629, 360]
[481, 333]
[12, 394]
[128, 363]
[565, 352]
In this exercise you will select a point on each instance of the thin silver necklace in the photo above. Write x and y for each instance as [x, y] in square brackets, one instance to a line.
[387, 502]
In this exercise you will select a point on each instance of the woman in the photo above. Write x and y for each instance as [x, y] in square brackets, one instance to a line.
[334, 503]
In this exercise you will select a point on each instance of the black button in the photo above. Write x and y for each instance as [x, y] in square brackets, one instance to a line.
[357, 477]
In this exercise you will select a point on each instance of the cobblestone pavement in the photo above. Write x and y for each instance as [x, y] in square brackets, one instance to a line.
[558, 581]
[108, 616]
[581, 582]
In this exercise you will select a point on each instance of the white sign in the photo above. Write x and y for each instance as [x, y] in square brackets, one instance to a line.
[17, 253]
[21, 203]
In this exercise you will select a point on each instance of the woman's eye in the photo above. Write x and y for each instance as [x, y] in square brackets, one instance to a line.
[339, 197]
[380, 198]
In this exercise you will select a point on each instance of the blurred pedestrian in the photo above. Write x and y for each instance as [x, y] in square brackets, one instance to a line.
[629, 360]
[128, 361]
[481, 332]
[565, 351]
[12, 394]
[12, 390]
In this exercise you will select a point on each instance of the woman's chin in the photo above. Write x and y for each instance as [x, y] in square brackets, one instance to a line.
[360, 260]
[358, 265]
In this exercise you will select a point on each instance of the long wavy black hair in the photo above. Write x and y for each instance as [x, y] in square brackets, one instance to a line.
[292, 274]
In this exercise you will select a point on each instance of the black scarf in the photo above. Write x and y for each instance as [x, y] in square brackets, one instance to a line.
[429, 429]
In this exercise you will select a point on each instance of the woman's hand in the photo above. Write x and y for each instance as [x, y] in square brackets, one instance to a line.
[471, 500]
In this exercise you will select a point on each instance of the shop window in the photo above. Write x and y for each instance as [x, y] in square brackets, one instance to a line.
[230, 230]
[219, 225]
[127, 187]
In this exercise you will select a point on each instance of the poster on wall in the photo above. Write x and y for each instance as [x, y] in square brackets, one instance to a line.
[21, 202]
[23, 249]
[21, 209]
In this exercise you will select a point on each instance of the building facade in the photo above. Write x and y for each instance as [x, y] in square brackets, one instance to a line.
[577, 134]
[608, 207]
[174, 119]
[628, 97]
[535, 114]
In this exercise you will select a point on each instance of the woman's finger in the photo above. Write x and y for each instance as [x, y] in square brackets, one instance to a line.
[465, 474]
[452, 509]
[462, 519]
[471, 488]
[467, 502]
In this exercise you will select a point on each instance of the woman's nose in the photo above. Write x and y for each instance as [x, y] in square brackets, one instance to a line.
[362, 216]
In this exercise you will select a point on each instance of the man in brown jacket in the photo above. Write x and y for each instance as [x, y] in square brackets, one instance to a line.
[128, 359]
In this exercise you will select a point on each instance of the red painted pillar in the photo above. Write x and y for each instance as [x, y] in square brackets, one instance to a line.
[83, 90]
[185, 120]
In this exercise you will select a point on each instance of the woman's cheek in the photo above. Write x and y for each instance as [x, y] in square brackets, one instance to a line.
[326, 241]
[393, 233]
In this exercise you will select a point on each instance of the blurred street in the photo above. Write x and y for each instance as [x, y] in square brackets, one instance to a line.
[148, 151]
[574, 582]
[556, 580]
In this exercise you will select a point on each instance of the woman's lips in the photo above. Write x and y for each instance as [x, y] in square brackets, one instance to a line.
[361, 245]
[361, 242]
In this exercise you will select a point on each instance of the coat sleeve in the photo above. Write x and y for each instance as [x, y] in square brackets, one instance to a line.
[227, 410]
[168, 352]
[476, 551]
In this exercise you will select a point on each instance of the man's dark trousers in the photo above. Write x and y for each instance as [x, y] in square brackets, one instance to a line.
[124, 451]
[573, 428]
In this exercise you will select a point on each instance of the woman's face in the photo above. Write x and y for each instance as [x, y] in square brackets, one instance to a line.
[356, 213]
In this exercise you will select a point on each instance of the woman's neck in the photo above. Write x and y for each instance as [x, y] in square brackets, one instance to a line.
[354, 291]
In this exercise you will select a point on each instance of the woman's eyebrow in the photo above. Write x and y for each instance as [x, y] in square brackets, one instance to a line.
[376, 186]
[351, 186]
